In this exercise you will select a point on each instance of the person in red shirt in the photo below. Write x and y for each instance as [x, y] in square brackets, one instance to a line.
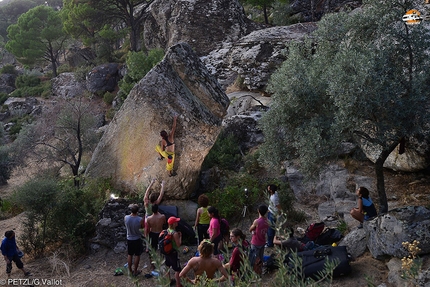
[241, 245]
[259, 229]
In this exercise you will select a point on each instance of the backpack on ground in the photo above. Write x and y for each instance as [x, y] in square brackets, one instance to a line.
[165, 242]
[329, 236]
[313, 261]
[313, 231]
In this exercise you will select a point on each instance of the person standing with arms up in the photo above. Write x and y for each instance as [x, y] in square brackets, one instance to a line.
[166, 148]
[133, 223]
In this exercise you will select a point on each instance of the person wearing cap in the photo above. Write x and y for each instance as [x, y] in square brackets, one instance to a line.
[133, 223]
[10, 252]
[172, 259]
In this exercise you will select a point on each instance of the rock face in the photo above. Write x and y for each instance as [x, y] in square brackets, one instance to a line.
[387, 232]
[306, 10]
[255, 56]
[65, 85]
[415, 158]
[203, 24]
[178, 85]
[103, 78]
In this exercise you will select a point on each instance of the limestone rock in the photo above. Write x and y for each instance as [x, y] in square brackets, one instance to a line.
[80, 56]
[65, 85]
[21, 106]
[179, 85]
[415, 158]
[255, 56]
[355, 242]
[203, 24]
[314, 13]
[387, 232]
[103, 78]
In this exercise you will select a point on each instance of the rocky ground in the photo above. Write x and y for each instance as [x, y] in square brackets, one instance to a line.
[97, 269]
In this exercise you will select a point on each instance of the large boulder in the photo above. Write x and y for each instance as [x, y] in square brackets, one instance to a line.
[65, 85]
[203, 24]
[104, 78]
[389, 231]
[255, 56]
[179, 85]
[305, 10]
[415, 157]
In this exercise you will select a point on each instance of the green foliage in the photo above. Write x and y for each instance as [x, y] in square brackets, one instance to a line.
[225, 153]
[251, 163]
[331, 87]
[281, 14]
[5, 165]
[138, 65]
[342, 226]
[18, 123]
[230, 198]
[8, 69]
[3, 98]
[108, 98]
[58, 212]
[65, 68]
[24, 81]
[37, 37]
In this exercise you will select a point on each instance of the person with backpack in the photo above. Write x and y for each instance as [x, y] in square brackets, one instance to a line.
[366, 209]
[258, 229]
[240, 251]
[214, 231]
[133, 223]
[274, 212]
[204, 263]
[202, 218]
[11, 252]
[169, 244]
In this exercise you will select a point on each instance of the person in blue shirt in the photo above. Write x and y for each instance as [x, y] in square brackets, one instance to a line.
[10, 252]
[365, 209]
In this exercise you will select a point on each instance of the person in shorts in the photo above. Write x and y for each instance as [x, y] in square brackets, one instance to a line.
[133, 224]
[172, 259]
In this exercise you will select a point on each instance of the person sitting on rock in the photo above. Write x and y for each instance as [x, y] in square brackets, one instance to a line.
[366, 209]
[166, 148]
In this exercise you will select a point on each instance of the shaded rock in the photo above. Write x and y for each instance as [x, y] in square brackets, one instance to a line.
[65, 85]
[7, 83]
[203, 24]
[255, 56]
[314, 10]
[179, 85]
[387, 232]
[80, 56]
[355, 242]
[21, 106]
[415, 158]
[103, 78]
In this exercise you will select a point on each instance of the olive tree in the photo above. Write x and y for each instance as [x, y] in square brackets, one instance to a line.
[362, 76]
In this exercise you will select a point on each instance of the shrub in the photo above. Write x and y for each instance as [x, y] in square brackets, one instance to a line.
[8, 69]
[108, 98]
[64, 69]
[225, 153]
[3, 98]
[5, 165]
[24, 81]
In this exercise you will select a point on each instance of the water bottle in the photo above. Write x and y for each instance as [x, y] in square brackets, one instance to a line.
[154, 273]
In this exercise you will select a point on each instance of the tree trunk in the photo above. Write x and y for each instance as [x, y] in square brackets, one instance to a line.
[266, 18]
[380, 184]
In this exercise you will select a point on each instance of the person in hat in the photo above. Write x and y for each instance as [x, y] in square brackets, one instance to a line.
[133, 223]
[172, 259]
[10, 252]
[166, 148]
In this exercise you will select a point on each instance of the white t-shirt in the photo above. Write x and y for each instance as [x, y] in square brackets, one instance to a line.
[274, 202]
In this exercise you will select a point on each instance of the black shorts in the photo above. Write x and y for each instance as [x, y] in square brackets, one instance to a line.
[172, 260]
[153, 238]
[135, 247]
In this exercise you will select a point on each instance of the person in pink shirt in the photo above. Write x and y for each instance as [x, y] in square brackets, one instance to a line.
[259, 230]
[214, 230]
